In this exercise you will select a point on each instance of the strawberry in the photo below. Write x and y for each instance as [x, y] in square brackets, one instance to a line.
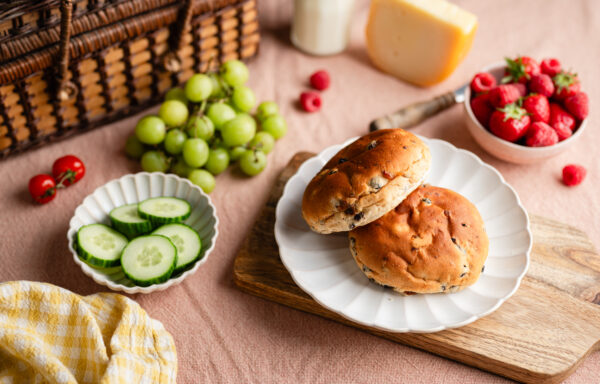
[520, 70]
[541, 84]
[578, 105]
[483, 82]
[562, 122]
[538, 107]
[506, 94]
[482, 109]
[550, 67]
[566, 84]
[540, 135]
[509, 123]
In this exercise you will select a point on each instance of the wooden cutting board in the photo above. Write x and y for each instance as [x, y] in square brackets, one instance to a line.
[541, 334]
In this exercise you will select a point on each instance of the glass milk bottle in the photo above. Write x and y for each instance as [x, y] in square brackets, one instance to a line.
[321, 27]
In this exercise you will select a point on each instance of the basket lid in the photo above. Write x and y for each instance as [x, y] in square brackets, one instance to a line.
[29, 26]
[30, 31]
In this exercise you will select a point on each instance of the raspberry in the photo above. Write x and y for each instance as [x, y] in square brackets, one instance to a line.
[562, 122]
[506, 94]
[578, 105]
[550, 67]
[573, 174]
[542, 84]
[310, 101]
[540, 135]
[320, 80]
[483, 82]
[563, 131]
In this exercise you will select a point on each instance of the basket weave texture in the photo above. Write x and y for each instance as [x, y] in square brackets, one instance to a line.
[117, 50]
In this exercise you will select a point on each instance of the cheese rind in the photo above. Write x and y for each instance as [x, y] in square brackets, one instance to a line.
[419, 41]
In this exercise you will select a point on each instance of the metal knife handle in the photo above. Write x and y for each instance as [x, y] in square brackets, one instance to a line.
[414, 114]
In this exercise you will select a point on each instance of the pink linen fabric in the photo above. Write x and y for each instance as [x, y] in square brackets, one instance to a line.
[226, 336]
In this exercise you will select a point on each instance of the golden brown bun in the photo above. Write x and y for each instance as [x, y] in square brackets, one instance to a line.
[434, 241]
[365, 180]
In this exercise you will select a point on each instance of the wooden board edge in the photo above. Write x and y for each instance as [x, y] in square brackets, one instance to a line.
[410, 339]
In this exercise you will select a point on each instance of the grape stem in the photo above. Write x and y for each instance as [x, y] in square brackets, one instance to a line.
[228, 91]
[257, 147]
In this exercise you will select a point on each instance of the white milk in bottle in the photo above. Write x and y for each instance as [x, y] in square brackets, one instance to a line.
[321, 27]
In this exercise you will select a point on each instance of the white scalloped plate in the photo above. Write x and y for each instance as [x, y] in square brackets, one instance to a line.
[133, 189]
[324, 268]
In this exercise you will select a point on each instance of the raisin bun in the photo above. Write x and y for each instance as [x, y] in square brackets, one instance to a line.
[434, 241]
[365, 180]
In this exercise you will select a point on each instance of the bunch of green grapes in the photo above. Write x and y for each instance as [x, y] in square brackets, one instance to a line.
[206, 126]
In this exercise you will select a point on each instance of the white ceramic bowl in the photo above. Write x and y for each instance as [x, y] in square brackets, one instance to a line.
[505, 150]
[324, 268]
[133, 189]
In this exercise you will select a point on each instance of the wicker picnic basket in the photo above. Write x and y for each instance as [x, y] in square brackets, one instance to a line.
[67, 66]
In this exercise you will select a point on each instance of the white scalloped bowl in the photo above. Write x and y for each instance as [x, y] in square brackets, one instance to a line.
[134, 188]
[324, 268]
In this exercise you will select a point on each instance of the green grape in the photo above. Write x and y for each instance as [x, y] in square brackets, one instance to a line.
[203, 179]
[243, 98]
[201, 127]
[230, 103]
[253, 162]
[262, 141]
[195, 152]
[198, 88]
[180, 168]
[220, 113]
[275, 125]
[266, 109]
[236, 152]
[134, 147]
[239, 130]
[173, 112]
[150, 130]
[176, 94]
[154, 161]
[234, 73]
[218, 160]
[218, 91]
[174, 141]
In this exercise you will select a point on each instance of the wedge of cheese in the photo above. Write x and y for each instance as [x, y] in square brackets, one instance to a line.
[419, 41]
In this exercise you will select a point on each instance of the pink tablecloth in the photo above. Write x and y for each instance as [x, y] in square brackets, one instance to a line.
[224, 335]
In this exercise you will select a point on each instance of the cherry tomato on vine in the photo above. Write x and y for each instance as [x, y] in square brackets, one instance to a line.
[68, 170]
[42, 188]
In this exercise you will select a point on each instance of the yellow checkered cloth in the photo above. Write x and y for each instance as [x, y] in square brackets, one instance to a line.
[51, 335]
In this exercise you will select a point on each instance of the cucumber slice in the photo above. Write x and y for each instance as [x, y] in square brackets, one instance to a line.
[164, 210]
[100, 245]
[186, 240]
[126, 220]
[148, 260]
